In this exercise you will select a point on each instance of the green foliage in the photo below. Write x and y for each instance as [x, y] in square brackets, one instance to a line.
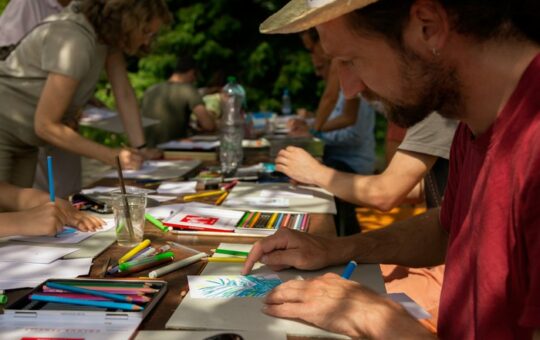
[225, 41]
[3, 4]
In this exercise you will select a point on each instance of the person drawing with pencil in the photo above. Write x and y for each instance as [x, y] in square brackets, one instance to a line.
[31, 213]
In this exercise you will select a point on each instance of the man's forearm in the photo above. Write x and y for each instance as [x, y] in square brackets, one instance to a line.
[419, 241]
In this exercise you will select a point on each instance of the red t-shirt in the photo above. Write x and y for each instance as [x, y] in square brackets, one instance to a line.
[491, 209]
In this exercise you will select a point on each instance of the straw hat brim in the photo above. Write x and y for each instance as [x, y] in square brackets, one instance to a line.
[298, 16]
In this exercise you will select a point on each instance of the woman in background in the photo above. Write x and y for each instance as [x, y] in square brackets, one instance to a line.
[53, 72]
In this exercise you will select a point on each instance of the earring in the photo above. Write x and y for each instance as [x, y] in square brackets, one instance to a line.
[435, 52]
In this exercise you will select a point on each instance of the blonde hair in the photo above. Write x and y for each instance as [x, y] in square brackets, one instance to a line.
[116, 20]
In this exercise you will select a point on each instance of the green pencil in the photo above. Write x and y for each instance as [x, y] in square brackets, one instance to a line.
[155, 222]
[232, 252]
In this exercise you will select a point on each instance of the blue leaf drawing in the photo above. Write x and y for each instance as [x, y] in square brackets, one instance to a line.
[240, 286]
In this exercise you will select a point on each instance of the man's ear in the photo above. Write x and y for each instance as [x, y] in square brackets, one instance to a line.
[428, 27]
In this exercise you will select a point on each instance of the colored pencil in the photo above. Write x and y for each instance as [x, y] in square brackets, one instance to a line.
[147, 265]
[285, 221]
[222, 198]
[278, 222]
[255, 218]
[176, 265]
[272, 220]
[156, 223]
[202, 194]
[134, 251]
[243, 219]
[227, 259]
[126, 265]
[248, 219]
[75, 289]
[107, 283]
[127, 213]
[121, 290]
[351, 266]
[232, 252]
[51, 178]
[81, 302]
[134, 298]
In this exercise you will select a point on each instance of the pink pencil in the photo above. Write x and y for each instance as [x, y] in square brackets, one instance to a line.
[124, 291]
[137, 298]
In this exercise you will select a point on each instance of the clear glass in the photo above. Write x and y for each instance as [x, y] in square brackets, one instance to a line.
[137, 206]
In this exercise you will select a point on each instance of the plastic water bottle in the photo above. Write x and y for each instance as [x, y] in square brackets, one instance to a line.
[231, 127]
[286, 106]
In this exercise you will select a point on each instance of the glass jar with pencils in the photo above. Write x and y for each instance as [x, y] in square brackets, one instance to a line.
[129, 209]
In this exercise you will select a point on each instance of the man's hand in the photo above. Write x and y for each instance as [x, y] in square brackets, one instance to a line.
[342, 306]
[78, 219]
[289, 248]
[299, 165]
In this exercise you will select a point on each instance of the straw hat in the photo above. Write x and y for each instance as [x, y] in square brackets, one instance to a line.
[299, 15]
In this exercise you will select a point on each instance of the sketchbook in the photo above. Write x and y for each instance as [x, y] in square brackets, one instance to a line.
[245, 313]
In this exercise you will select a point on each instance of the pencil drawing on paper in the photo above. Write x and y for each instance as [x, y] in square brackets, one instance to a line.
[230, 286]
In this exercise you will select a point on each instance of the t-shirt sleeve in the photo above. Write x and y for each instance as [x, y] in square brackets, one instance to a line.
[194, 99]
[530, 224]
[67, 50]
[456, 158]
[432, 136]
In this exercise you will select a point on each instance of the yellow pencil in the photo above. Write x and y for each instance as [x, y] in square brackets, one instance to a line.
[271, 220]
[227, 259]
[134, 251]
[203, 194]
[222, 198]
[255, 219]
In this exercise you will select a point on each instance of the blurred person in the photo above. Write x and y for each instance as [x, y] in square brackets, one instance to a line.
[65, 54]
[172, 102]
[20, 17]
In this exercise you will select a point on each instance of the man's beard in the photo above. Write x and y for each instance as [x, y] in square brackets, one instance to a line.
[428, 87]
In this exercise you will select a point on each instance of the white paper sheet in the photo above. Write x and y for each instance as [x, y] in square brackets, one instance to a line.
[67, 238]
[177, 188]
[162, 198]
[287, 193]
[32, 254]
[258, 202]
[32, 274]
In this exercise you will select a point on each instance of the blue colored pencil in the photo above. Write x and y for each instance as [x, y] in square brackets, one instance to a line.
[278, 221]
[349, 270]
[69, 301]
[51, 178]
[75, 289]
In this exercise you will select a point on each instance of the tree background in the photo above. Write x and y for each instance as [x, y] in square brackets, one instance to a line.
[223, 37]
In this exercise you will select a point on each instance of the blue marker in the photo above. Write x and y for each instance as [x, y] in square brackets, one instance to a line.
[349, 270]
[51, 178]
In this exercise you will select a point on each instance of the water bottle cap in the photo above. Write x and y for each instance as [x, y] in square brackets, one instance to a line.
[286, 91]
[231, 79]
